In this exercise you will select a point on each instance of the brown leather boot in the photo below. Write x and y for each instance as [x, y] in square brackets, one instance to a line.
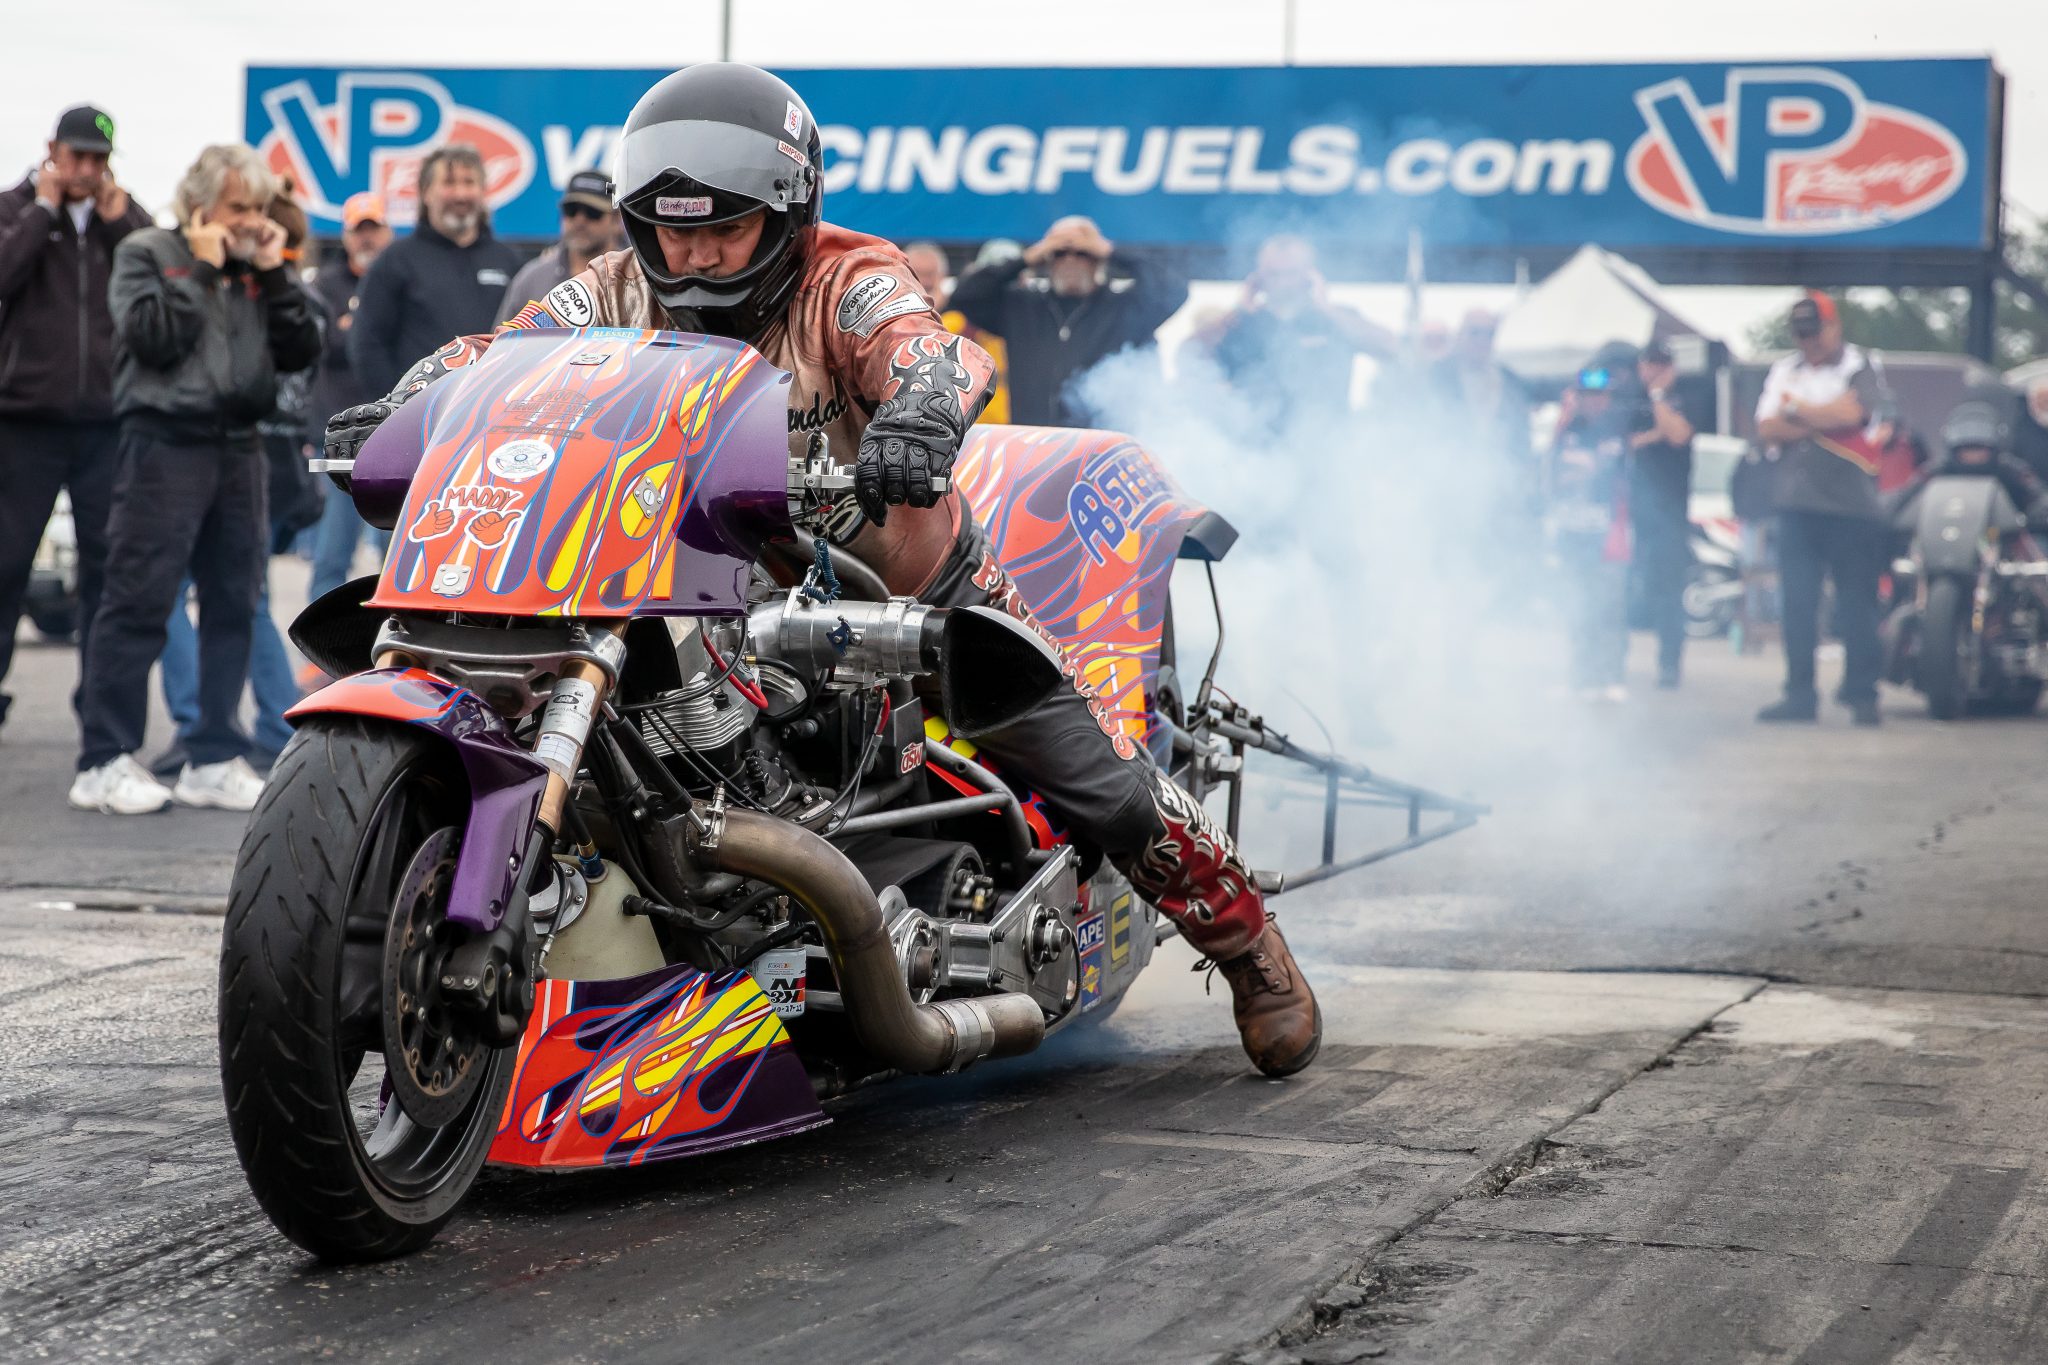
[1277, 1014]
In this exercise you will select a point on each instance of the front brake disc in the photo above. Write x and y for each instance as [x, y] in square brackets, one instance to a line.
[433, 1061]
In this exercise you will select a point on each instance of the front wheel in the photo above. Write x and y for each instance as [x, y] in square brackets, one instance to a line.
[361, 1109]
[1947, 650]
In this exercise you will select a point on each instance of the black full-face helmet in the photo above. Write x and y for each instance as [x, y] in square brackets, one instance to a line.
[708, 144]
[1976, 424]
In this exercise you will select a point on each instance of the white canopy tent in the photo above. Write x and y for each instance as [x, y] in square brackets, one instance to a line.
[1593, 298]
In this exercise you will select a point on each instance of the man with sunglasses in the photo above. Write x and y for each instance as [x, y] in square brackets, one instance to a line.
[1069, 301]
[590, 228]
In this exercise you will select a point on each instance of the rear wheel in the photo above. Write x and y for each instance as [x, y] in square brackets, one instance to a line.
[1947, 651]
[360, 1107]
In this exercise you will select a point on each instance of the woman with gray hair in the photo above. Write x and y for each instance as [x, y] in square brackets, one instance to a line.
[205, 318]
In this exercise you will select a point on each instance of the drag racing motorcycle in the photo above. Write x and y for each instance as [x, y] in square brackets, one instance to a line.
[642, 822]
[1969, 628]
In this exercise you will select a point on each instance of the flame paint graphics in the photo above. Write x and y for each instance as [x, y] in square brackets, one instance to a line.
[617, 437]
[671, 1063]
[1087, 525]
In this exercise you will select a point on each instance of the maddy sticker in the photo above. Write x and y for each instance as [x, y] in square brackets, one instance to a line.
[521, 460]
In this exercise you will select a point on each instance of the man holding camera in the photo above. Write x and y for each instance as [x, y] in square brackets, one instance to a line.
[58, 231]
[1660, 485]
[1815, 406]
[1082, 301]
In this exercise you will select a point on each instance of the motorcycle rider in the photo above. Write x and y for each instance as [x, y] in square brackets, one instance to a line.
[719, 181]
[1977, 439]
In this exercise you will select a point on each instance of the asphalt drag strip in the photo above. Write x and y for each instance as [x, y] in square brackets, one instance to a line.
[1818, 1177]
[1131, 1193]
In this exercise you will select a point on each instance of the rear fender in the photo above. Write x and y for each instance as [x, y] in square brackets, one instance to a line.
[505, 781]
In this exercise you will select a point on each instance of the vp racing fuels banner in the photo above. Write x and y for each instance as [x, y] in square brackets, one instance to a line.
[1881, 155]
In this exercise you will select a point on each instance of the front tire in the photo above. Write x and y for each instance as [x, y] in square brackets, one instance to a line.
[347, 834]
[1945, 648]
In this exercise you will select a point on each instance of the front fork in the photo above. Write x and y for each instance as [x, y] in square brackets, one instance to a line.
[490, 975]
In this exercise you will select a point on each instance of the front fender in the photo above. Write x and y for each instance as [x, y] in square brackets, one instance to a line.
[505, 781]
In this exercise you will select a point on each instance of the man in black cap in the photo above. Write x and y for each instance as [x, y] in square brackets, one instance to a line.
[1660, 485]
[590, 228]
[1815, 407]
[58, 229]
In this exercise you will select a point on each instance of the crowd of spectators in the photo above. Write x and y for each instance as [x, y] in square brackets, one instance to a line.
[172, 381]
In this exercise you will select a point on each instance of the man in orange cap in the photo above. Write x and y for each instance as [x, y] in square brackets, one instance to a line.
[365, 231]
[1815, 407]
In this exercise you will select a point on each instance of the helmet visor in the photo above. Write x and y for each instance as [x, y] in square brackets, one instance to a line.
[743, 168]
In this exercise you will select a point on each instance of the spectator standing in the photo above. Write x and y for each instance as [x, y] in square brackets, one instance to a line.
[1286, 347]
[58, 231]
[1082, 302]
[1831, 523]
[1660, 486]
[337, 287]
[1587, 486]
[995, 251]
[590, 228]
[205, 316]
[293, 504]
[1489, 402]
[445, 280]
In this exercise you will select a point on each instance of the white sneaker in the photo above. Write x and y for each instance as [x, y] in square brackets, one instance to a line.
[120, 786]
[232, 785]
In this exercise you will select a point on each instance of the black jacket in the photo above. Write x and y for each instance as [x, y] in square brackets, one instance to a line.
[423, 292]
[56, 340]
[197, 350]
[1051, 338]
[338, 291]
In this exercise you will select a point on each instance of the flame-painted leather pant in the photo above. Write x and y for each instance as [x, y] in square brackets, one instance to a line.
[1106, 788]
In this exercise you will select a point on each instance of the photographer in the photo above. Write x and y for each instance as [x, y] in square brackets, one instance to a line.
[1660, 485]
[1586, 487]
[1287, 348]
[205, 317]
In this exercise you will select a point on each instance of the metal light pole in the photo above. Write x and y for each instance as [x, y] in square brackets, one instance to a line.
[725, 30]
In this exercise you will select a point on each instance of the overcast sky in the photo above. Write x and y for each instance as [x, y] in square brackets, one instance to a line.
[171, 73]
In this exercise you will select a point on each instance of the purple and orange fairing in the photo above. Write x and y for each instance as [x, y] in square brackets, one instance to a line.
[1088, 526]
[670, 1063]
[600, 472]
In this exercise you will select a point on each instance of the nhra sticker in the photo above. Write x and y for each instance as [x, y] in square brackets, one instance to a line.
[681, 206]
[1088, 937]
[780, 975]
[913, 754]
[571, 302]
[792, 119]
[522, 459]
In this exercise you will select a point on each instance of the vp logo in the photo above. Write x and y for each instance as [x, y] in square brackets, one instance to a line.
[1789, 150]
[374, 134]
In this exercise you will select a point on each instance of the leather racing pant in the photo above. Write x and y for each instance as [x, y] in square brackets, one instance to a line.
[1105, 787]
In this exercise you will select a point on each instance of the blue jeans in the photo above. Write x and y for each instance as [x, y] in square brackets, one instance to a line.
[270, 674]
[340, 529]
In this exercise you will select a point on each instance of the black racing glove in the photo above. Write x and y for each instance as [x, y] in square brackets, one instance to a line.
[910, 441]
[349, 428]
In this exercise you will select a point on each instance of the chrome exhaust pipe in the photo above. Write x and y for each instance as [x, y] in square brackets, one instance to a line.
[931, 1039]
